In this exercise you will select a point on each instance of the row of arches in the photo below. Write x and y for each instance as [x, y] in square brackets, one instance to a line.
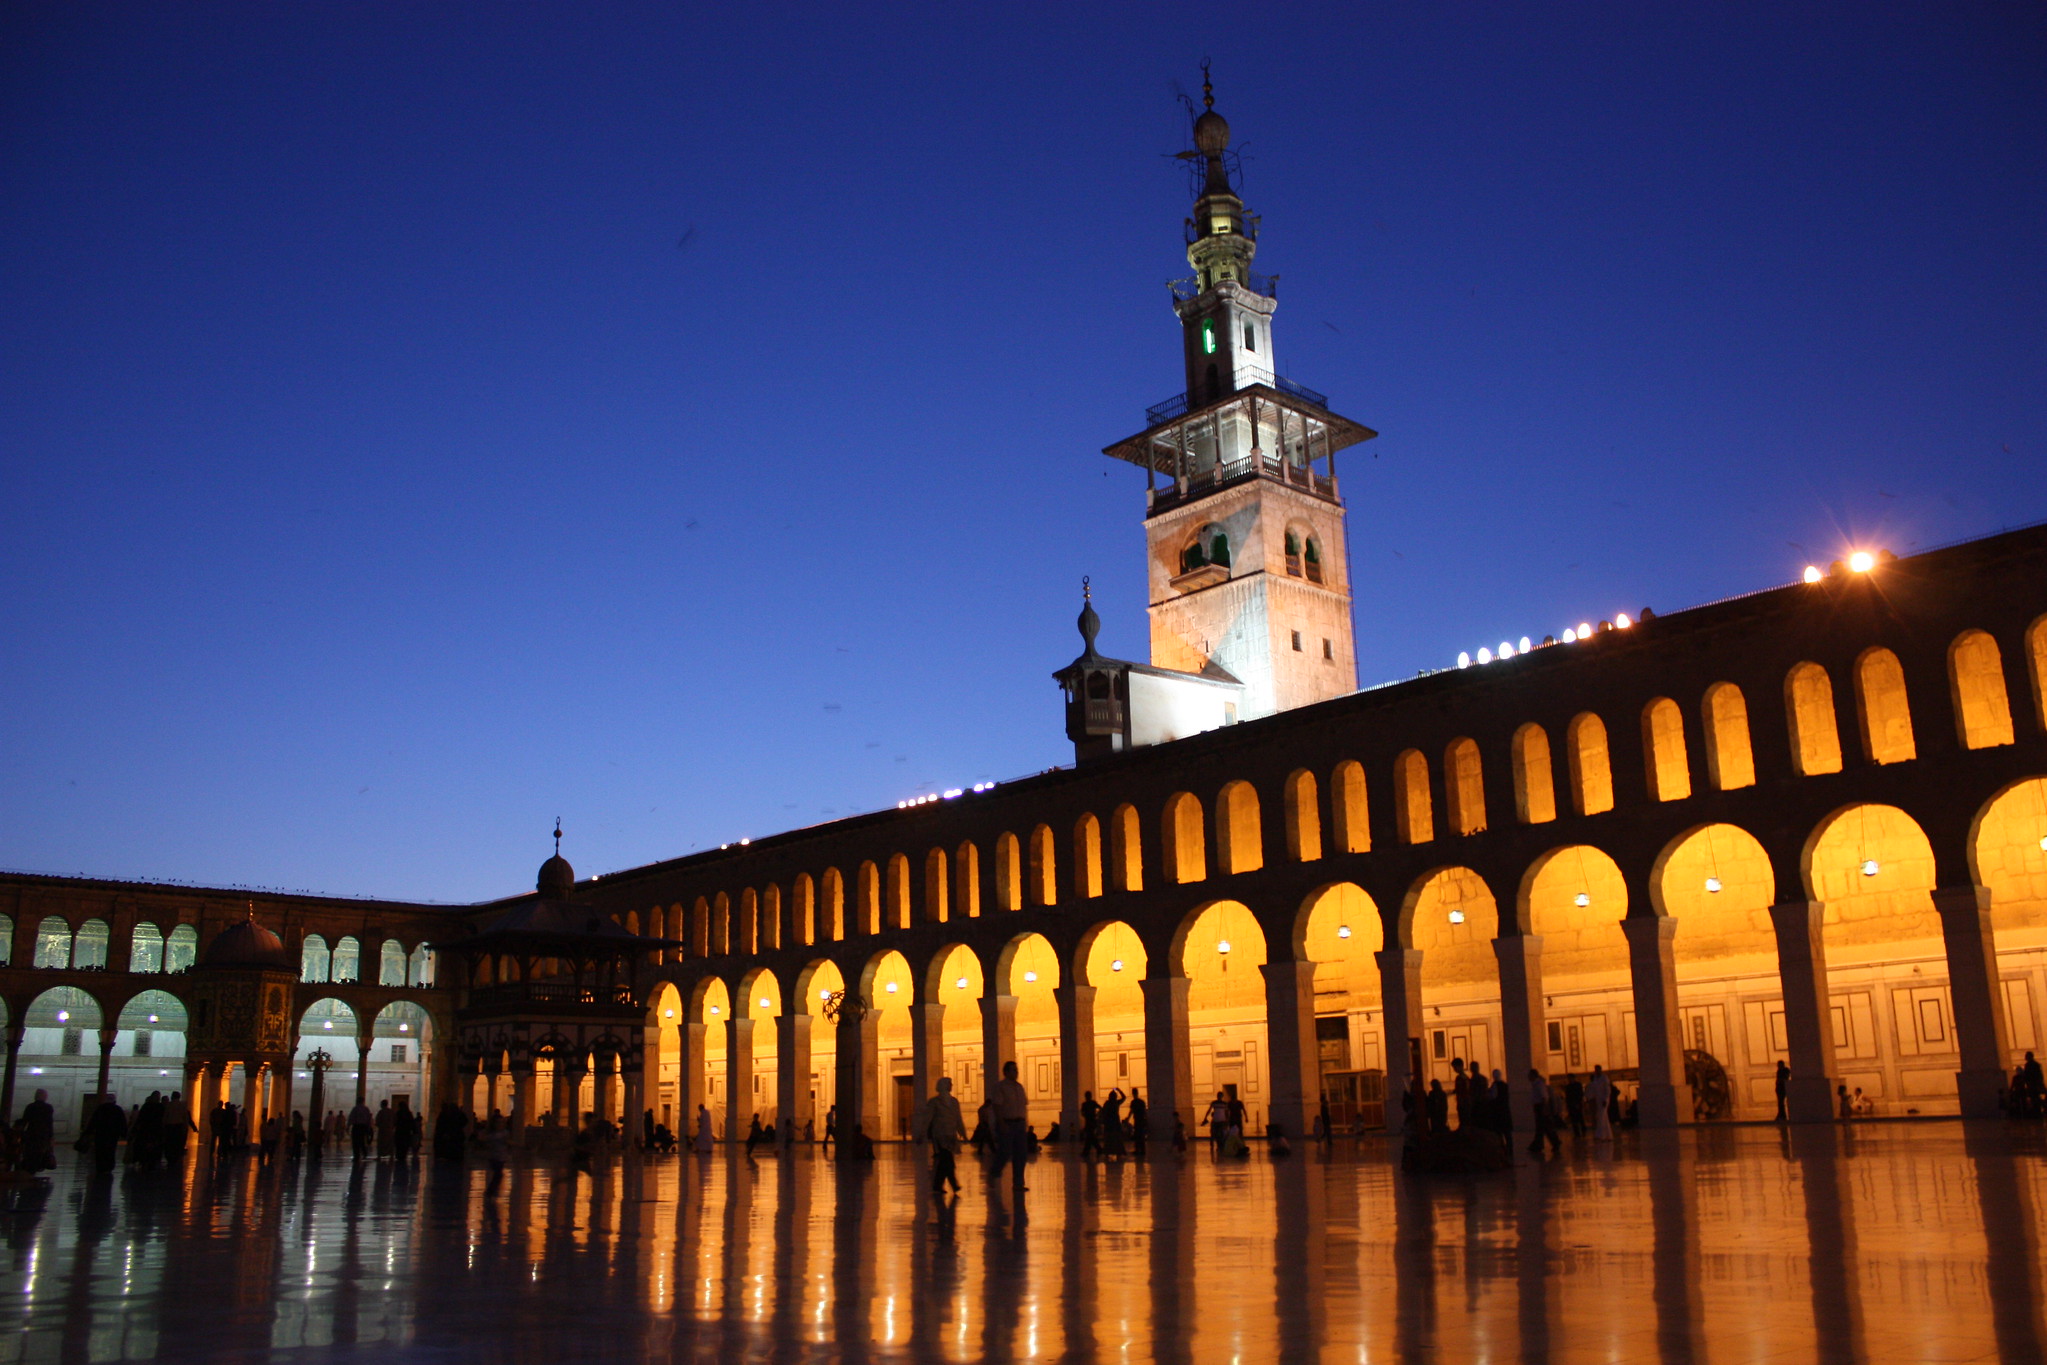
[1324, 814]
[1334, 985]
[342, 964]
[86, 948]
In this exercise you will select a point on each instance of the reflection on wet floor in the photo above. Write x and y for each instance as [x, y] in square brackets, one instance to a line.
[1911, 1242]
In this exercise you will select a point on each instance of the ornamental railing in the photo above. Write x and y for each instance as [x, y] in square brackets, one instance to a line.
[1178, 405]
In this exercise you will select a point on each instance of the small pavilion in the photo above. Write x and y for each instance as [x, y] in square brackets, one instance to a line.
[553, 987]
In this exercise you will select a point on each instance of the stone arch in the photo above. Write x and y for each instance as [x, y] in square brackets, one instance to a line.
[1008, 872]
[1730, 758]
[2036, 669]
[1349, 818]
[347, 966]
[331, 1022]
[966, 877]
[770, 934]
[746, 923]
[1087, 856]
[1574, 897]
[1976, 685]
[391, 963]
[937, 887]
[1339, 929]
[315, 962]
[1590, 766]
[53, 942]
[1663, 751]
[90, 944]
[2008, 854]
[1872, 866]
[1882, 711]
[1535, 788]
[867, 899]
[885, 969]
[1240, 838]
[947, 965]
[816, 983]
[1464, 786]
[1303, 817]
[155, 1023]
[1031, 953]
[1716, 881]
[180, 948]
[1183, 839]
[895, 913]
[1126, 848]
[1044, 867]
[1413, 813]
[700, 929]
[1219, 947]
[419, 968]
[760, 994]
[145, 948]
[1809, 710]
[803, 910]
[832, 906]
[1451, 915]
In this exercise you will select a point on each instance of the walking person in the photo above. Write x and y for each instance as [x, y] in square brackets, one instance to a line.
[386, 1124]
[1012, 1109]
[295, 1137]
[1437, 1105]
[1545, 1115]
[1599, 1095]
[1090, 1126]
[2036, 1087]
[362, 1128]
[1574, 1104]
[1460, 1093]
[38, 1134]
[1140, 1120]
[946, 1128]
[177, 1129]
[1783, 1091]
[222, 1123]
[831, 1127]
[1218, 1120]
[109, 1125]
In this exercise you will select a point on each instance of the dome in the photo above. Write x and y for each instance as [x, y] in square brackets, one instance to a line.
[247, 944]
[1211, 133]
[557, 878]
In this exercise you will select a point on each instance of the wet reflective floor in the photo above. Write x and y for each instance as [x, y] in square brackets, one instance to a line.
[1910, 1242]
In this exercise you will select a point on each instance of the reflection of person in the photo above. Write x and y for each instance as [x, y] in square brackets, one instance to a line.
[38, 1133]
[109, 1125]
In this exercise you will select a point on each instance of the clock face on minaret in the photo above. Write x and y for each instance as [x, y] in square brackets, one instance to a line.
[1249, 572]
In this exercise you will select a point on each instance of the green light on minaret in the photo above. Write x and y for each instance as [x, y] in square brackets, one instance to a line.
[1207, 336]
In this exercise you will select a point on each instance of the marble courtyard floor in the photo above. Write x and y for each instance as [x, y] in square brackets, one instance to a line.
[1909, 1242]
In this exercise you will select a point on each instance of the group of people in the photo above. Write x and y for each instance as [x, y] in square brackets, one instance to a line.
[1476, 1103]
[2027, 1098]
[1104, 1132]
[1593, 1105]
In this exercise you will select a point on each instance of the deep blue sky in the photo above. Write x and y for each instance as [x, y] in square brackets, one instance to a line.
[421, 421]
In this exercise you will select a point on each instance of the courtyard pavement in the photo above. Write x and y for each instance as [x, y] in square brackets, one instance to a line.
[1906, 1241]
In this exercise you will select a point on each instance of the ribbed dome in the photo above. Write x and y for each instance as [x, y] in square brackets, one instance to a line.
[247, 944]
[557, 878]
[1211, 133]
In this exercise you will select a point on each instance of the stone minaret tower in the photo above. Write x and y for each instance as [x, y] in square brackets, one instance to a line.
[1249, 570]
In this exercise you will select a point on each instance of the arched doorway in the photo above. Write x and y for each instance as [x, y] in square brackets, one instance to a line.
[1220, 949]
[1452, 919]
[1717, 884]
[1339, 930]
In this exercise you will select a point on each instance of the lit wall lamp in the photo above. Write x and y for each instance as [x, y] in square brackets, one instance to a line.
[1713, 885]
[1343, 931]
[1862, 561]
[1870, 868]
[1581, 900]
[891, 988]
[961, 983]
[1457, 917]
[1030, 976]
[1116, 965]
[1813, 574]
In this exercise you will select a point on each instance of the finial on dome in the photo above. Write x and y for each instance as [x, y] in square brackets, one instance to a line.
[557, 836]
[1207, 88]
[1090, 624]
[557, 879]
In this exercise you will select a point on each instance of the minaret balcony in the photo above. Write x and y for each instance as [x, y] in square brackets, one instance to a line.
[1191, 288]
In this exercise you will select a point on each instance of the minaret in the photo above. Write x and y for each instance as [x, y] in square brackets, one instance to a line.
[1249, 571]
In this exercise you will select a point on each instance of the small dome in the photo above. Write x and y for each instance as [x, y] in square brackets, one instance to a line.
[247, 944]
[557, 878]
[1211, 133]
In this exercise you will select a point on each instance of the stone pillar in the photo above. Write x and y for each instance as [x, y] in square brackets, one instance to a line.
[195, 1096]
[998, 1042]
[1400, 993]
[649, 1071]
[1521, 1017]
[1808, 1017]
[738, 1077]
[605, 1098]
[927, 1054]
[792, 1074]
[1168, 1060]
[1290, 1043]
[633, 1119]
[15, 1029]
[568, 1086]
[363, 1042]
[107, 1037]
[1977, 998]
[690, 1089]
[855, 1063]
[1665, 1096]
[522, 1096]
[280, 1091]
[252, 1097]
[1076, 1052]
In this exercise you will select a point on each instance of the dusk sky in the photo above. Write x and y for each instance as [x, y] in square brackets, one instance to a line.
[422, 421]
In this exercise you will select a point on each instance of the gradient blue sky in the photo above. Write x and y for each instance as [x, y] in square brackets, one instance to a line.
[418, 422]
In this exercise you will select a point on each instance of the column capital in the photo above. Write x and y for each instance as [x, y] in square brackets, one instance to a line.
[1799, 915]
[1961, 900]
